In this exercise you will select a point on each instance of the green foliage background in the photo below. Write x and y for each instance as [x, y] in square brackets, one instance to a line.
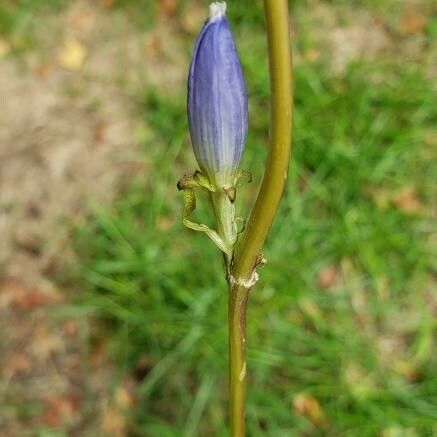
[358, 351]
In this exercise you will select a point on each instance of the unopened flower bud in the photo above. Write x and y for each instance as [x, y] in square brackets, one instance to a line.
[217, 100]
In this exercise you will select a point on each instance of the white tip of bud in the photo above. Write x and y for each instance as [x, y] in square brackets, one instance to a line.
[217, 10]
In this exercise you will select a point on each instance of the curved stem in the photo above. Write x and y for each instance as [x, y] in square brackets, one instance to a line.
[275, 175]
[266, 204]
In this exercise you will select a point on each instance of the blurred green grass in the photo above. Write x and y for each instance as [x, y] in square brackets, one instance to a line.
[350, 358]
[161, 287]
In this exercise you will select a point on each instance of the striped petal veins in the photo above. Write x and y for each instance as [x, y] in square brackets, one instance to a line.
[217, 100]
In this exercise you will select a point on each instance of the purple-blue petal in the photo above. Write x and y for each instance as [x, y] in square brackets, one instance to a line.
[217, 100]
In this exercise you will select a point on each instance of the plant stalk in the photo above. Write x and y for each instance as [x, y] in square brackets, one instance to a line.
[237, 358]
[275, 175]
[241, 278]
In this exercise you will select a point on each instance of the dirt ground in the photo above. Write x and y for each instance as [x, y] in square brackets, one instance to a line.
[68, 141]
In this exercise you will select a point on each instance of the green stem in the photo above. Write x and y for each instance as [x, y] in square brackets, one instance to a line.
[237, 361]
[224, 212]
[275, 175]
[243, 266]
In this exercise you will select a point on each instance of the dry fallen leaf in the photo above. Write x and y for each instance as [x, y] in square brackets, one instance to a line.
[192, 17]
[99, 129]
[72, 54]
[309, 407]
[124, 395]
[167, 8]
[17, 294]
[5, 48]
[107, 3]
[114, 422]
[59, 410]
[327, 277]
[408, 202]
[406, 369]
[18, 364]
[413, 21]
[153, 47]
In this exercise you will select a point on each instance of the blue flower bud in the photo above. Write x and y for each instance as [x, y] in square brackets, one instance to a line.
[217, 100]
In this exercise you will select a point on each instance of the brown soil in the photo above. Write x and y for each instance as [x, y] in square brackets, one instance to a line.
[68, 140]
